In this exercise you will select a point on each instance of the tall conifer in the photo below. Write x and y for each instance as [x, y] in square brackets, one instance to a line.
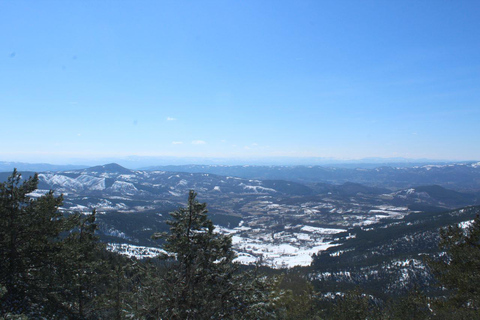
[201, 281]
[28, 228]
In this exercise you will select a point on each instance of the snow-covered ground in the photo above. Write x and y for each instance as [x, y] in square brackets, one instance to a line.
[134, 251]
[285, 249]
[282, 255]
[293, 246]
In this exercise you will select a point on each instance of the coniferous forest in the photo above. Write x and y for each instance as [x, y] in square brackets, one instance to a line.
[53, 266]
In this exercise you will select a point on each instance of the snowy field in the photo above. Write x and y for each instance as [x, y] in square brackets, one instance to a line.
[130, 250]
[285, 249]
[293, 246]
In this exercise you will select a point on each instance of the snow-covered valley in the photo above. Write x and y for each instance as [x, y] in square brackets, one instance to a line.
[272, 222]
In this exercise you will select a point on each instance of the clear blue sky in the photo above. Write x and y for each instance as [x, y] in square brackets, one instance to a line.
[342, 79]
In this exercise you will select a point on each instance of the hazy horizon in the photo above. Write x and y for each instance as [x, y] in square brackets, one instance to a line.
[145, 162]
[198, 160]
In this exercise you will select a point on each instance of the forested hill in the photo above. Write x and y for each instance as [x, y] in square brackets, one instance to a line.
[389, 257]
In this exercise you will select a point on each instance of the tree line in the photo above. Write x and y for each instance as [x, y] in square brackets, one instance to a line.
[53, 266]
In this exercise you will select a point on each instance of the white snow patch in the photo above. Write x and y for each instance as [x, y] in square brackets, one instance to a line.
[79, 207]
[258, 189]
[322, 230]
[61, 182]
[278, 255]
[123, 187]
[37, 193]
[138, 252]
[465, 224]
[476, 165]
[91, 183]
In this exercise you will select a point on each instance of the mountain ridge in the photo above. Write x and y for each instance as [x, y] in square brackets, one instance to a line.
[461, 176]
[284, 222]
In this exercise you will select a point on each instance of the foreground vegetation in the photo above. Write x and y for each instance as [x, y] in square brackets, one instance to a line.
[53, 266]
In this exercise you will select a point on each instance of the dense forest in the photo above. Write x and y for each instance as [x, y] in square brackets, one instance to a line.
[53, 266]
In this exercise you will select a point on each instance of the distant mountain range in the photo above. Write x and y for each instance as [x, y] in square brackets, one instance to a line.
[463, 176]
[36, 167]
[456, 176]
[144, 162]
[284, 214]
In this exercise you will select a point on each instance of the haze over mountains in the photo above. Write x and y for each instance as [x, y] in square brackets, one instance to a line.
[343, 226]
[6, 166]
[283, 214]
[145, 162]
[456, 175]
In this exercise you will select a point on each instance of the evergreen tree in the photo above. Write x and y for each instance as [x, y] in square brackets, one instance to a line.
[296, 298]
[50, 264]
[9, 316]
[354, 306]
[83, 272]
[414, 306]
[200, 279]
[28, 230]
[125, 280]
[148, 294]
[458, 273]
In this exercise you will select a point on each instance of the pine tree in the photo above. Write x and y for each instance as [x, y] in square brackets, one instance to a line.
[9, 316]
[296, 297]
[28, 228]
[124, 278]
[83, 273]
[414, 305]
[458, 273]
[200, 279]
[354, 306]
[52, 266]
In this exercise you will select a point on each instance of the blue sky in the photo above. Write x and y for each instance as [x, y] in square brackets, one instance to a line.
[239, 79]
